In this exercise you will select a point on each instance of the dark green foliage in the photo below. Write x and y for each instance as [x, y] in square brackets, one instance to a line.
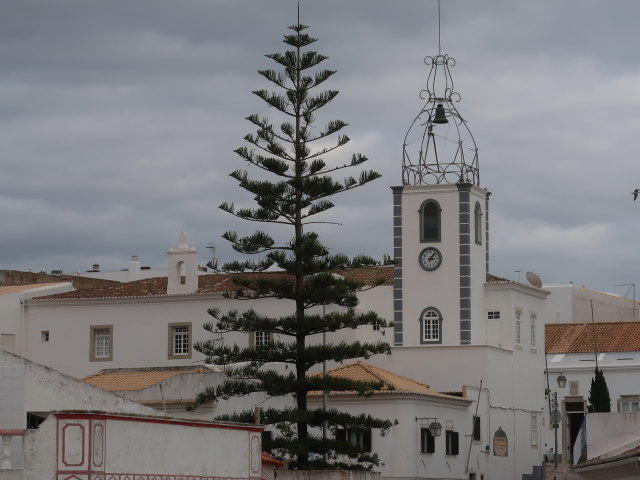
[301, 188]
[599, 399]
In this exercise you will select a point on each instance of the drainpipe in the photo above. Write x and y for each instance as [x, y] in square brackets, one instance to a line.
[21, 343]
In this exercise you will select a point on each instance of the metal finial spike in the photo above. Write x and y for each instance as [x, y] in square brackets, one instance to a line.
[439, 49]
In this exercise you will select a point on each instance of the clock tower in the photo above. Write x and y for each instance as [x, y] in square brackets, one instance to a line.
[441, 224]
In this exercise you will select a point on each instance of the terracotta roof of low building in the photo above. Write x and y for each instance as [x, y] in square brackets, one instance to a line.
[590, 337]
[392, 382]
[209, 284]
[129, 379]
[491, 278]
[7, 289]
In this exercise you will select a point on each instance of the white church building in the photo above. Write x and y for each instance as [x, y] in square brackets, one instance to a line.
[458, 329]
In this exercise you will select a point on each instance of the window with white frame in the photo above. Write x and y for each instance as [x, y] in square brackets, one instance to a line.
[518, 327]
[430, 324]
[493, 315]
[452, 446]
[101, 343]
[534, 429]
[629, 403]
[376, 326]
[44, 335]
[261, 339]
[532, 322]
[179, 340]
[357, 438]
[427, 441]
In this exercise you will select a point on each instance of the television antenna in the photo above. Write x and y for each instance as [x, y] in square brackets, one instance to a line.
[212, 262]
[632, 287]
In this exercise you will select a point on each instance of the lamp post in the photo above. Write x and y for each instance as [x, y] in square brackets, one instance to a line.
[435, 427]
[555, 419]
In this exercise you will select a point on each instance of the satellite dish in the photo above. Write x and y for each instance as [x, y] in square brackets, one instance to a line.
[534, 279]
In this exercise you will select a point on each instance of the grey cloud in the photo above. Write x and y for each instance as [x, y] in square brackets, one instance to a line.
[118, 122]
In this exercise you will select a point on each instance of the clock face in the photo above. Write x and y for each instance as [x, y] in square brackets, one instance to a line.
[430, 258]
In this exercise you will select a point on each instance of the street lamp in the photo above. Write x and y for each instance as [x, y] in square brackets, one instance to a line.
[435, 427]
[562, 380]
[556, 417]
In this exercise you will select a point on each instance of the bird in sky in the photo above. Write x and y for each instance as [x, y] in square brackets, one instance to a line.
[635, 193]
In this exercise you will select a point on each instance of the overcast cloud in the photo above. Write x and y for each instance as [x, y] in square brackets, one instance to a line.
[118, 121]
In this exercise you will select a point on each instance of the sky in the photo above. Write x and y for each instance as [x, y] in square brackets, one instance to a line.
[118, 122]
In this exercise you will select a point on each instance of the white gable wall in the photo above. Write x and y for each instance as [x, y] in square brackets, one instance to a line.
[11, 309]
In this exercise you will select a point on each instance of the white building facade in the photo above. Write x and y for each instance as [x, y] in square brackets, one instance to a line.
[572, 351]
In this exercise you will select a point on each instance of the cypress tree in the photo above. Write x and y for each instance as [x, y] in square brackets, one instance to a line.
[295, 187]
[599, 399]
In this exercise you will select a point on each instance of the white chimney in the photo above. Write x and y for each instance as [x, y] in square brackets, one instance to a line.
[133, 273]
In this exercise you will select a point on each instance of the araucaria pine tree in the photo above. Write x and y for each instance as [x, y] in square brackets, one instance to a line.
[599, 399]
[294, 190]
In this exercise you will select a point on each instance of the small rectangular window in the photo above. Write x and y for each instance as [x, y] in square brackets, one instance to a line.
[358, 438]
[376, 326]
[452, 445]
[518, 326]
[261, 339]
[629, 403]
[179, 340]
[476, 428]
[534, 429]
[493, 315]
[628, 407]
[44, 335]
[532, 321]
[427, 441]
[101, 343]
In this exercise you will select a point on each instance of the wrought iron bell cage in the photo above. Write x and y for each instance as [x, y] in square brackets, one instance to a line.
[439, 147]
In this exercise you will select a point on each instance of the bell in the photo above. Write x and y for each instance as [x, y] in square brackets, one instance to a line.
[440, 116]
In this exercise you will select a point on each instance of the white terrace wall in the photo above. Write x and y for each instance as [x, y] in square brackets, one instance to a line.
[77, 445]
[28, 387]
[610, 434]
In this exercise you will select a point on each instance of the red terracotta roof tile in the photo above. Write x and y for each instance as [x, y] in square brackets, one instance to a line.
[393, 384]
[7, 289]
[208, 284]
[126, 379]
[589, 337]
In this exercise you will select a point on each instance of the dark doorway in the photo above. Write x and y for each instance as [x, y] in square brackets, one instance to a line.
[575, 417]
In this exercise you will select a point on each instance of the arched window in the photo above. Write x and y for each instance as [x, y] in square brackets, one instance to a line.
[431, 326]
[477, 213]
[430, 221]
